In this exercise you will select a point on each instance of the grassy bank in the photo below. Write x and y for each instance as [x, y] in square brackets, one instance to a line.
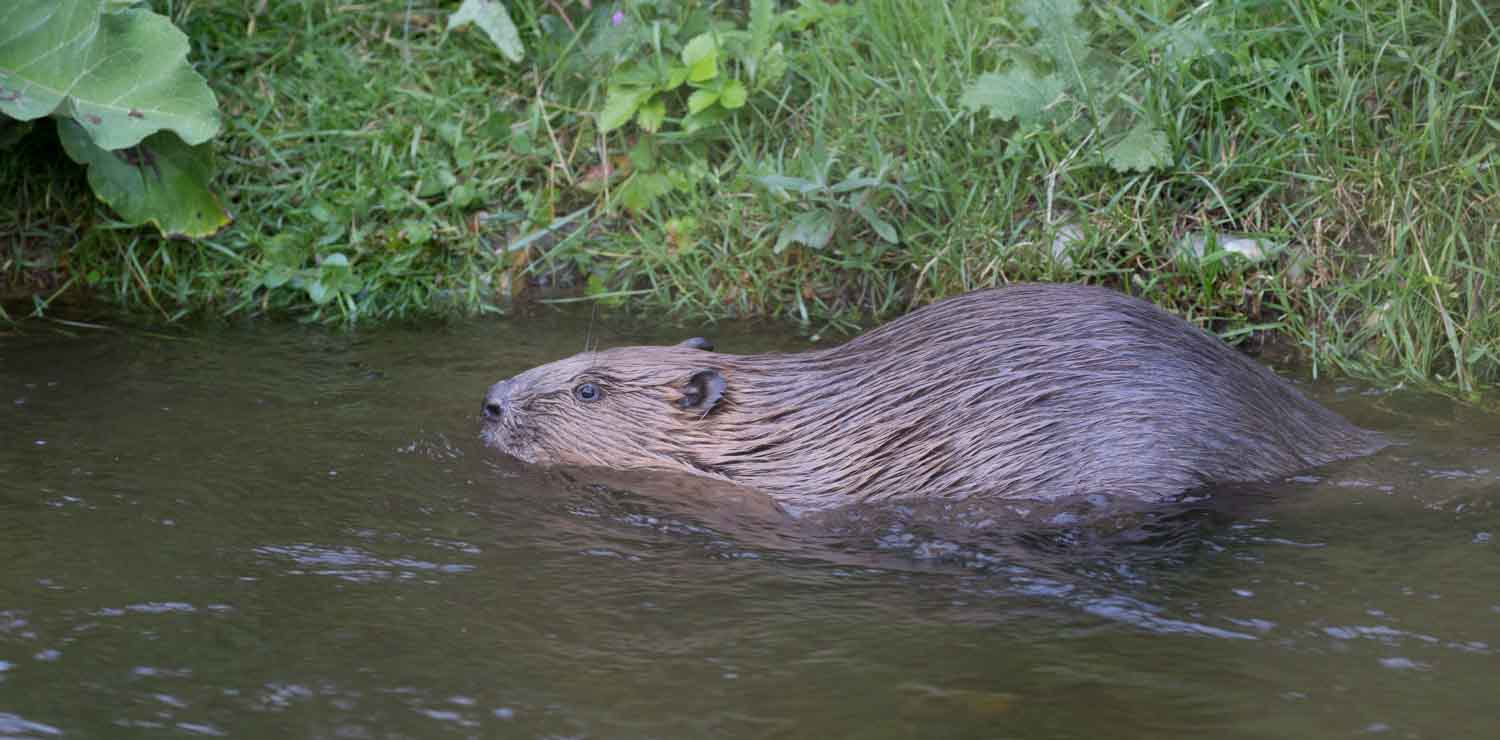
[1352, 144]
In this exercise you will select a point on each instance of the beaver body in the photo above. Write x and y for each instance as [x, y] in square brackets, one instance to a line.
[1034, 391]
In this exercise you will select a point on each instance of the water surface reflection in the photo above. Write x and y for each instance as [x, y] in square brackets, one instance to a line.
[247, 532]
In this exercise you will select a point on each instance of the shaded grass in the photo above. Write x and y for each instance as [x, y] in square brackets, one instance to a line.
[1357, 141]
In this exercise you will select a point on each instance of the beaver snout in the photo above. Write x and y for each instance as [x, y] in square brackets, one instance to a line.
[497, 400]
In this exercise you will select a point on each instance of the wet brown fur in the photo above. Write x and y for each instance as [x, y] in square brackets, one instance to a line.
[1030, 391]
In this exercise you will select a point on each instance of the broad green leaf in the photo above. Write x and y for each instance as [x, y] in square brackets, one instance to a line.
[733, 95]
[651, 114]
[1062, 38]
[701, 99]
[643, 155]
[415, 232]
[320, 292]
[1144, 148]
[676, 75]
[464, 195]
[700, 47]
[287, 251]
[705, 118]
[122, 75]
[1043, 13]
[643, 188]
[635, 75]
[705, 70]
[813, 228]
[161, 181]
[701, 55]
[1016, 94]
[338, 275]
[619, 105]
[494, 20]
[276, 276]
[350, 283]
[880, 225]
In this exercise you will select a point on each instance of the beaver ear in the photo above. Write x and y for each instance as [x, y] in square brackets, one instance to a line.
[697, 343]
[702, 392]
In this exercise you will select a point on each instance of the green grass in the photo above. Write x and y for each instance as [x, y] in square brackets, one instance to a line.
[1357, 140]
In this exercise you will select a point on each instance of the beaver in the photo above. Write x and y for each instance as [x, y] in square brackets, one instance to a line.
[1031, 391]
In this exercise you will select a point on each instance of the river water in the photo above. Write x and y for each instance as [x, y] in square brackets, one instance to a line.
[272, 531]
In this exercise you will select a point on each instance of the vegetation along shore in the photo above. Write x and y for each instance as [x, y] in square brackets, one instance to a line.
[1319, 172]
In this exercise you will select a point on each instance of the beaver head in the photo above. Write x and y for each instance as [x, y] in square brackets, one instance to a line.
[629, 407]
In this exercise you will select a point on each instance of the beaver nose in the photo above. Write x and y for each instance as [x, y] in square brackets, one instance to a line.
[495, 400]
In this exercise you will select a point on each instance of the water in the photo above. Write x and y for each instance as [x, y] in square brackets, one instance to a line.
[274, 531]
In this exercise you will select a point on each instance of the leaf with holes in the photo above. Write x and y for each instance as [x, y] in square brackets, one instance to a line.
[161, 181]
[122, 75]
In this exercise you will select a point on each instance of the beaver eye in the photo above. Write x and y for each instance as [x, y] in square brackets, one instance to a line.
[588, 392]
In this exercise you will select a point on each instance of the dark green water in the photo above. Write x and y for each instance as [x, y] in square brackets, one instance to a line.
[287, 533]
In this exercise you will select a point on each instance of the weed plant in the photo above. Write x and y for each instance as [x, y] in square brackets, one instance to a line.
[842, 162]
